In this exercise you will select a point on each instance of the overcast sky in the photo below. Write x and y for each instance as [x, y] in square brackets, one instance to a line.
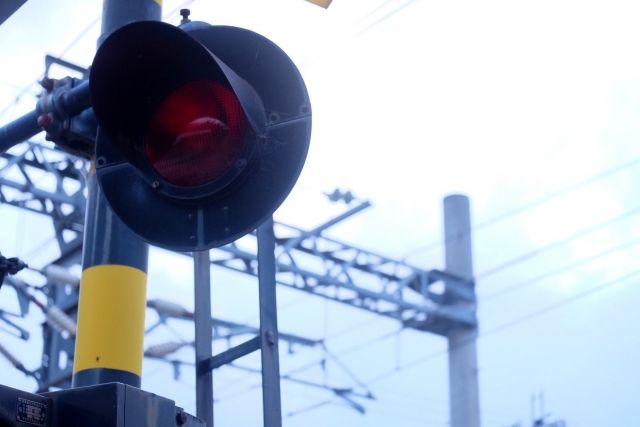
[529, 108]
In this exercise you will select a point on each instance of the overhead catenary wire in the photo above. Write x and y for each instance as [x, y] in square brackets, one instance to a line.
[385, 17]
[557, 243]
[515, 260]
[82, 34]
[530, 205]
[563, 269]
[524, 318]
[63, 52]
[378, 8]
[564, 302]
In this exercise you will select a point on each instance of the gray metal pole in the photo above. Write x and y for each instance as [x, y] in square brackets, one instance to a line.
[117, 13]
[271, 405]
[204, 335]
[464, 399]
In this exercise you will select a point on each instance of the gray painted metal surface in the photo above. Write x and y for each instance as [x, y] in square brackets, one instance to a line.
[203, 335]
[271, 405]
[464, 401]
[230, 355]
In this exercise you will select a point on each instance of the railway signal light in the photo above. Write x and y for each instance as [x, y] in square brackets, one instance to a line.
[203, 130]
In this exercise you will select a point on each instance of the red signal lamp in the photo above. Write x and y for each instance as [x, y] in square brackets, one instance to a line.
[197, 134]
[202, 133]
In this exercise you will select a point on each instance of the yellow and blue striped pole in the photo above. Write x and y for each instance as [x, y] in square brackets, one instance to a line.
[111, 307]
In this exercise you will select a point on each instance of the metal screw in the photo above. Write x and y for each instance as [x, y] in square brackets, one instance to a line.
[271, 338]
[155, 184]
[181, 417]
[47, 84]
[185, 16]
[45, 120]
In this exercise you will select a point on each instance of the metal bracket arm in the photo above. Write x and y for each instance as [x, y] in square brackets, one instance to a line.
[229, 356]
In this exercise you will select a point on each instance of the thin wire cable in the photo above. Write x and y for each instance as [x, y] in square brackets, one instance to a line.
[11, 85]
[64, 51]
[79, 37]
[378, 8]
[248, 378]
[530, 205]
[384, 17]
[344, 352]
[544, 310]
[176, 10]
[556, 243]
[563, 269]
[68, 47]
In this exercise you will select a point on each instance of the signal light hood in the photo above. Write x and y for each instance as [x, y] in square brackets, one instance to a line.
[139, 67]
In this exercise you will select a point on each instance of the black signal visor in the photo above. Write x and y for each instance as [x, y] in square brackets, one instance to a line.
[203, 130]
[174, 110]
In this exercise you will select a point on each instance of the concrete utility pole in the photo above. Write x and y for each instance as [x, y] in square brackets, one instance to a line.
[464, 402]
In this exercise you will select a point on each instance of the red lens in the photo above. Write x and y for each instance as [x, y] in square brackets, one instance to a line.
[197, 134]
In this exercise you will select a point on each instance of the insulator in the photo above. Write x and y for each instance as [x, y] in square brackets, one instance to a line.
[168, 308]
[60, 321]
[164, 349]
[61, 275]
[11, 358]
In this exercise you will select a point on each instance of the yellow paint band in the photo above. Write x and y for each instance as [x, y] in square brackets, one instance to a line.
[159, 2]
[111, 319]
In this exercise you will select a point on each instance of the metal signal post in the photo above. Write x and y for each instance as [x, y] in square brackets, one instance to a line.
[109, 343]
[203, 334]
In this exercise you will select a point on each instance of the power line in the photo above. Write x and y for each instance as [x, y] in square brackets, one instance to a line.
[385, 17]
[319, 362]
[377, 8]
[79, 37]
[556, 243]
[69, 46]
[530, 205]
[73, 42]
[177, 9]
[544, 310]
[565, 268]
[345, 352]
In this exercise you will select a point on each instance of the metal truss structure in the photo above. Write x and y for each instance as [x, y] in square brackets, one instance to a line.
[343, 273]
[49, 182]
